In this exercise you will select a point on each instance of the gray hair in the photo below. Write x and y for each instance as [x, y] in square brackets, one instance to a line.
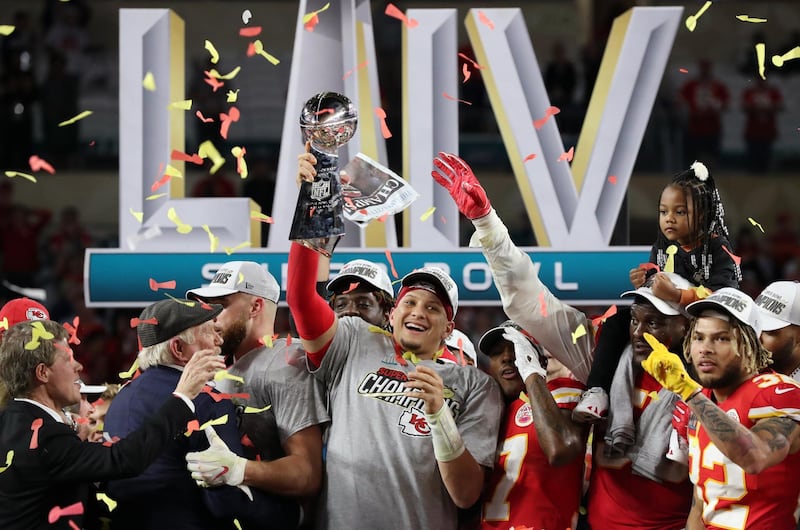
[159, 354]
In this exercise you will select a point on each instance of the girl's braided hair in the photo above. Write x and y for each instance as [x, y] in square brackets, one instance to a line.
[708, 214]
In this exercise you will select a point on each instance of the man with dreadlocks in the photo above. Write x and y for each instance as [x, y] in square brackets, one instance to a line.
[744, 439]
[693, 243]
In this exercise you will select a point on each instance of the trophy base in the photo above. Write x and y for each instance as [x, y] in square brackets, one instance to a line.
[323, 245]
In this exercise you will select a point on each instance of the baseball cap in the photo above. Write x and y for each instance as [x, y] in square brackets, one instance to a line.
[361, 270]
[779, 305]
[171, 318]
[435, 280]
[466, 345]
[495, 335]
[21, 310]
[240, 277]
[663, 307]
[733, 302]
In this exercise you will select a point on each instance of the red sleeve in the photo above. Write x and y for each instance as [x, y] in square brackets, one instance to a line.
[566, 392]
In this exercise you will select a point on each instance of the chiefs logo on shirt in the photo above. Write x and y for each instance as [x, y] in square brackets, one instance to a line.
[413, 423]
[524, 416]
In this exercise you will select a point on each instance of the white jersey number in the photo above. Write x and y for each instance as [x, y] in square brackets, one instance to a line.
[731, 488]
[498, 508]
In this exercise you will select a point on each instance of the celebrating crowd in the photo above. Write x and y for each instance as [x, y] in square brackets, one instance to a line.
[680, 410]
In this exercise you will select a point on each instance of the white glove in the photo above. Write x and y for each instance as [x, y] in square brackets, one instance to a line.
[216, 465]
[526, 357]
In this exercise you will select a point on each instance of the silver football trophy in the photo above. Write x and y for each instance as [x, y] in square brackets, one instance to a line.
[328, 120]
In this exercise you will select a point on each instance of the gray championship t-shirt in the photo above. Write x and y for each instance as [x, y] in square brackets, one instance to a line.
[275, 377]
[381, 472]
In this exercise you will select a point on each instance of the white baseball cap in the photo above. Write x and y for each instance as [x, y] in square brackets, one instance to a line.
[733, 302]
[779, 305]
[435, 280]
[361, 270]
[466, 345]
[663, 307]
[240, 277]
[495, 335]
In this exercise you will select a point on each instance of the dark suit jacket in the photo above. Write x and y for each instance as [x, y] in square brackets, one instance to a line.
[60, 469]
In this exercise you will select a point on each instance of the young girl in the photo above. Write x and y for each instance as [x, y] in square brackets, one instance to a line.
[693, 243]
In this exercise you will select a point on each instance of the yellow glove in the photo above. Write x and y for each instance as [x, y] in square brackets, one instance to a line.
[667, 368]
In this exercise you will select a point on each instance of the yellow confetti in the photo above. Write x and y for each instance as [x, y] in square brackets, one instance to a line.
[231, 250]
[187, 303]
[424, 217]
[213, 51]
[258, 216]
[254, 410]
[80, 116]
[760, 54]
[37, 332]
[756, 224]
[173, 172]
[132, 370]
[9, 459]
[223, 374]
[155, 196]
[207, 150]
[149, 82]
[181, 227]
[267, 340]
[6, 30]
[111, 503]
[237, 524]
[578, 333]
[691, 20]
[653, 395]
[222, 420]
[702, 291]
[747, 18]
[212, 238]
[13, 174]
[186, 104]
[309, 16]
[241, 163]
[794, 53]
[4, 323]
[138, 215]
[216, 75]
[232, 96]
[670, 265]
[259, 48]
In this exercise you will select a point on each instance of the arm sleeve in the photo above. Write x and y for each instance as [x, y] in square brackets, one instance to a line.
[528, 302]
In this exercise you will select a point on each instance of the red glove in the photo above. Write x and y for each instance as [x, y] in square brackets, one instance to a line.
[680, 418]
[457, 178]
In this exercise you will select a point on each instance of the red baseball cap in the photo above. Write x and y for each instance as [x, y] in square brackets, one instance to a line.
[21, 310]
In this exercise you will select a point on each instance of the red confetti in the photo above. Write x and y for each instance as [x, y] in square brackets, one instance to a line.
[219, 396]
[485, 20]
[56, 512]
[683, 70]
[73, 525]
[391, 263]
[155, 286]
[213, 81]
[73, 330]
[466, 72]
[35, 426]
[192, 426]
[380, 113]
[394, 12]
[180, 155]
[548, 112]
[91, 144]
[203, 118]
[160, 182]
[227, 119]
[313, 21]
[247, 442]
[612, 179]
[38, 164]
[474, 64]
[251, 49]
[529, 158]
[135, 322]
[352, 287]
[568, 155]
[451, 98]
[542, 305]
[109, 443]
[648, 266]
[610, 312]
[252, 31]
[351, 72]
[288, 339]
[736, 259]
[382, 218]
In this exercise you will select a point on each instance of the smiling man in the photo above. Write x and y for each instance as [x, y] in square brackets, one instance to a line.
[744, 438]
[428, 428]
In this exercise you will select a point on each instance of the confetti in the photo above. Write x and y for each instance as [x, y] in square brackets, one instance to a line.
[548, 112]
[226, 120]
[79, 117]
[756, 224]
[187, 303]
[203, 118]
[154, 197]
[207, 150]
[237, 524]
[181, 227]
[266, 340]
[160, 182]
[212, 81]
[149, 82]
[747, 18]
[231, 250]
[213, 51]
[466, 72]
[542, 304]
[179, 155]
[173, 172]
[485, 20]
[794, 53]
[241, 164]
[612, 179]
[472, 61]
[701, 291]
[9, 459]
[760, 53]
[691, 20]
[736, 259]
[353, 70]
[246, 16]
[254, 410]
[72, 329]
[135, 322]
[35, 426]
[230, 75]
[186, 104]
[223, 374]
[37, 332]
[155, 286]
[529, 158]
[258, 48]
[130, 371]
[12, 174]
[683, 70]
[232, 96]
[381, 114]
[568, 155]
[56, 512]
[39, 164]
[393, 11]
[352, 287]
[648, 266]
[4, 323]
[308, 16]
[258, 216]
[213, 240]
[192, 426]
[311, 24]
[610, 312]
[108, 501]
[391, 263]
[6, 30]
[428, 213]
[448, 96]
[252, 31]
[670, 265]
[578, 333]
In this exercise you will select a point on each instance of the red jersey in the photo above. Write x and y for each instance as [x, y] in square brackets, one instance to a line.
[620, 499]
[525, 490]
[733, 499]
